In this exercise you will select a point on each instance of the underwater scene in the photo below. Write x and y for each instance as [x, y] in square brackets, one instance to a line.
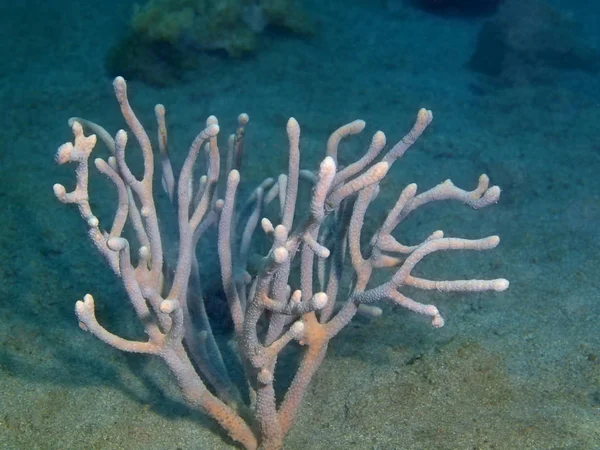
[300, 225]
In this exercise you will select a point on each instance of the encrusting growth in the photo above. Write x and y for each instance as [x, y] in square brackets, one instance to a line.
[270, 307]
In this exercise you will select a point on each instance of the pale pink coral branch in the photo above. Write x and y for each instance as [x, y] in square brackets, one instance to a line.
[271, 301]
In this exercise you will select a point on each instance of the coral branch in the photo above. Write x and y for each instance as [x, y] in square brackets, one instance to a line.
[271, 300]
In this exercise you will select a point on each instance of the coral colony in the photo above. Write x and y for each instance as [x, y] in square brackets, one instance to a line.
[297, 293]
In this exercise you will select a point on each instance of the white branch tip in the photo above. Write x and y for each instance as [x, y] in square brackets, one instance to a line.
[168, 306]
[293, 128]
[59, 191]
[319, 300]
[64, 153]
[424, 117]
[243, 119]
[500, 284]
[234, 176]
[379, 139]
[327, 167]
[280, 255]
[297, 328]
[116, 244]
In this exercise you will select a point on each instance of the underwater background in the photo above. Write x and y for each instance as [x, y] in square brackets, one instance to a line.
[515, 91]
